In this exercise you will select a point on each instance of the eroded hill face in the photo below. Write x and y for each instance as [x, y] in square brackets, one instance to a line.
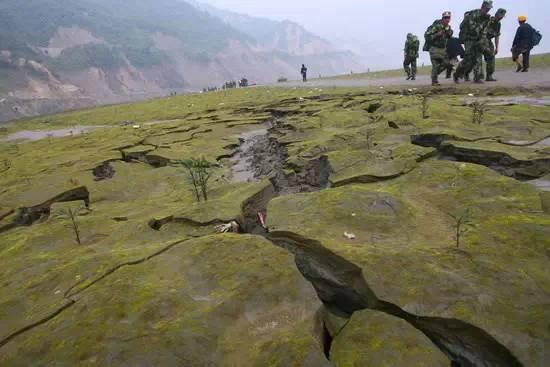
[57, 55]
[386, 230]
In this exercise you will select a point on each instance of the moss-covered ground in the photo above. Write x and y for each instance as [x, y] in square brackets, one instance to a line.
[181, 295]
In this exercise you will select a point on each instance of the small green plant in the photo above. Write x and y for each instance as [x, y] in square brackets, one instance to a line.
[198, 172]
[462, 224]
[478, 112]
[425, 99]
[72, 215]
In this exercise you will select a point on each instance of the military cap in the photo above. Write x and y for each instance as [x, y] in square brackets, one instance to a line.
[500, 13]
[488, 4]
[446, 14]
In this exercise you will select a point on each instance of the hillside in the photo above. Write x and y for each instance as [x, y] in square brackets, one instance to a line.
[69, 53]
[365, 228]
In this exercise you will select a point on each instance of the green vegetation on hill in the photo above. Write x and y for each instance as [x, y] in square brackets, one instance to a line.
[126, 25]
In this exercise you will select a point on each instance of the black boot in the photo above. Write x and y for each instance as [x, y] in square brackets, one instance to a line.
[525, 70]
[519, 68]
[413, 77]
[466, 78]
[435, 83]
[455, 78]
[490, 79]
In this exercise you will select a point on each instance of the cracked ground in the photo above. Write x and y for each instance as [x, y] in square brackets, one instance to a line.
[151, 283]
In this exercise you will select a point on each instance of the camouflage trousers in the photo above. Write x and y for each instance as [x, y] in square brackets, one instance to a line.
[472, 60]
[489, 56]
[410, 65]
[440, 61]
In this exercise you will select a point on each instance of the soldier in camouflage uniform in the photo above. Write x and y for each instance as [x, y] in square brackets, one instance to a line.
[411, 54]
[473, 33]
[437, 35]
[493, 31]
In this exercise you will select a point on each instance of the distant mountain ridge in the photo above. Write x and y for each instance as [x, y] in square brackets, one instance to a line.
[285, 36]
[73, 53]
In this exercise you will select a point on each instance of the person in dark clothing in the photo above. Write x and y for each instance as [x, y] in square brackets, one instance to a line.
[523, 43]
[303, 71]
[454, 50]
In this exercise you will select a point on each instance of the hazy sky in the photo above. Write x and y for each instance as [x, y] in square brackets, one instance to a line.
[379, 27]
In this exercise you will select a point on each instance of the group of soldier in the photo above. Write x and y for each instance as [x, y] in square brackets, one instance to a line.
[480, 35]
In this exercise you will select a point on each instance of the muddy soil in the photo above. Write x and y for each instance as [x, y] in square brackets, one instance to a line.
[42, 134]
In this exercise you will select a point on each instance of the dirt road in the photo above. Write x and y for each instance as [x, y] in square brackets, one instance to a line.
[506, 78]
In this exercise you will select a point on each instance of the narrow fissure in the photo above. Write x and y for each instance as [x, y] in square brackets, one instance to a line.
[327, 341]
[342, 288]
[501, 162]
[27, 216]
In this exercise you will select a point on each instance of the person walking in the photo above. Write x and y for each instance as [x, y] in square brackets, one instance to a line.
[491, 50]
[411, 54]
[436, 37]
[473, 33]
[454, 51]
[523, 43]
[303, 71]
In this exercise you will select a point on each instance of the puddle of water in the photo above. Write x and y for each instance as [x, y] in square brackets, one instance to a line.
[42, 134]
[541, 144]
[242, 170]
[514, 100]
[542, 184]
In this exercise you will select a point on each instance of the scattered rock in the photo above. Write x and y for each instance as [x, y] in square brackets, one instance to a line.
[349, 236]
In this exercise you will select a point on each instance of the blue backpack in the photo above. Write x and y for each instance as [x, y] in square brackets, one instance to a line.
[537, 37]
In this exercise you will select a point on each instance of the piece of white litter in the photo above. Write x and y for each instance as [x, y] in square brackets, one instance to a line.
[349, 236]
[57, 292]
[221, 104]
[470, 95]
[410, 90]
[301, 98]
[353, 214]
[381, 87]
[136, 126]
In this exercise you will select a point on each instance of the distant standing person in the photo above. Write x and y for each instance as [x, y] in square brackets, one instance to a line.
[523, 43]
[303, 71]
[454, 51]
[436, 37]
[411, 54]
[490, 52]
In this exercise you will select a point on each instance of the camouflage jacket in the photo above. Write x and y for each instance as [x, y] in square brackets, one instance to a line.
[435, 40]
[411, 47]
[493, 28]
[474, 26]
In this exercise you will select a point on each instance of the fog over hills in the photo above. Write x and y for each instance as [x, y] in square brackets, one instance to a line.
[57, 54]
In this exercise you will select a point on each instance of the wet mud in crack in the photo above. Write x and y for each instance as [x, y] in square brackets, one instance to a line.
[340, 284]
